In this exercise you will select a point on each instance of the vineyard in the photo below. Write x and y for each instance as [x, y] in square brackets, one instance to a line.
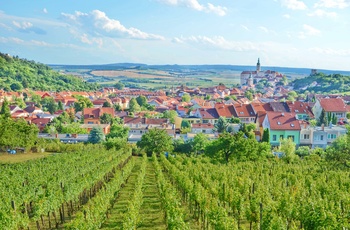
[102, 189]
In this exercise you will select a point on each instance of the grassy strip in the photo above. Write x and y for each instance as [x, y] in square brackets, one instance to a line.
[94, 212]
[170, 200]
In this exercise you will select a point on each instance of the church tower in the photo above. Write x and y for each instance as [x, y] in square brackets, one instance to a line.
[258, 69]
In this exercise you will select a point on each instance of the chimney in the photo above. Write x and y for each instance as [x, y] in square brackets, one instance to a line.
[322, 127]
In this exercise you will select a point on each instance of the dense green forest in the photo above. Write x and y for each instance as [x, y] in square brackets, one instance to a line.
[17, 74]
[332, 83]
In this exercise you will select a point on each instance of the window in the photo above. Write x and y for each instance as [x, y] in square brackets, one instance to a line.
[90, 122]
[281, 137]
[306, 136]
[321, 137]
[274, 138]
[332, 136]
[203, 131]
[291, 136]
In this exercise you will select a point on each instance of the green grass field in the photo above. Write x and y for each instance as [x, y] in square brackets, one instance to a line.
[20, 157]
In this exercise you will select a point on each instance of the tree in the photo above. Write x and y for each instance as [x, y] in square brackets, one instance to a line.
[185, 124]
[119, 86]
[96, 135]
[156, 141]
[235, 120]
[186, 98]
[82, 103]
[134, 106]
[287, 147]
[221, 125]
[223, 147]
[284, 80]
[118, 131]
[171, 115]
[106, 118]
[16, 86]
[182, 146]
[49, 104]
[141, 100]
[106, 104]
[200, 142]
[248, 95]
[60, 105]
[334, 119]
[322, 119]
[266, 136]
[5, 109]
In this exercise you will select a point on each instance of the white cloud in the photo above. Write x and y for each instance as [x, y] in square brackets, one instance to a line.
[23, 25]
[294, 4]
[245, 27]
[98, 23]
[194, 4]
[264, 29]
[286, 16]
[45, 11]
[340, 4]
[219, 42]
[323, 13]
[328, 51]
[308, 31]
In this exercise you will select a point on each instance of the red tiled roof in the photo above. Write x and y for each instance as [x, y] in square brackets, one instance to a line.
[243, 110]
[224, 110]
[203, 126]
[283, 121]
[97, 112]
[333, 104]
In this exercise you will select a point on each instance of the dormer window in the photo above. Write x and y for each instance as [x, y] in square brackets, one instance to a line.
[292, 125]
[278, 122]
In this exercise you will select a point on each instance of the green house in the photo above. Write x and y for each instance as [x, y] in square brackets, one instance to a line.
[282, 125]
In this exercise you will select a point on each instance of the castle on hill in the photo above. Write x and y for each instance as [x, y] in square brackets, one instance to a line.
[250, 78]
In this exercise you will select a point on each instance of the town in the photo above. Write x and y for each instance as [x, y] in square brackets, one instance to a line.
[264, 98]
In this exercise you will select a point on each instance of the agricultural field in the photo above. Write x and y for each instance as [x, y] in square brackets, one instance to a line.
[159, 79]
[108, 189]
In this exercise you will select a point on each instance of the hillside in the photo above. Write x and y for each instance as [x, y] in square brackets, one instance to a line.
[322, 83]
[17, 73]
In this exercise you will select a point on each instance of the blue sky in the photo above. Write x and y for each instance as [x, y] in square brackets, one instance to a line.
[287, 33]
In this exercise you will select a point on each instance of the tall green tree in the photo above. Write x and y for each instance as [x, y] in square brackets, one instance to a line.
[119, 85]
[200, 142]
[106, 118]
[5, 109]
[141, 100]
[221, 125]
[96, 135]
[156, 141]
[266, 136]
[134, 106]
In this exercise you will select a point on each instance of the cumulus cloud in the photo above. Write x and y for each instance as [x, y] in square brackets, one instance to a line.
[308, 31]
[45, 11]
[323, 13]
[98, 23]
[294, 4]
[194, 4]
[340, 4]
[286, 16]
[27, 27]
[218, 42]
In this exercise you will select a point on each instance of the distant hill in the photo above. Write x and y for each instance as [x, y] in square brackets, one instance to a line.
[17, 73]
[186, 68]
[324, 83]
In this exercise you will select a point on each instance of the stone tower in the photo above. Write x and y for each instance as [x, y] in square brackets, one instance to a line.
[258, 68]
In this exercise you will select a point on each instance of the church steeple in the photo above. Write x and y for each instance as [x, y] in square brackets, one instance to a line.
[258, 69]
